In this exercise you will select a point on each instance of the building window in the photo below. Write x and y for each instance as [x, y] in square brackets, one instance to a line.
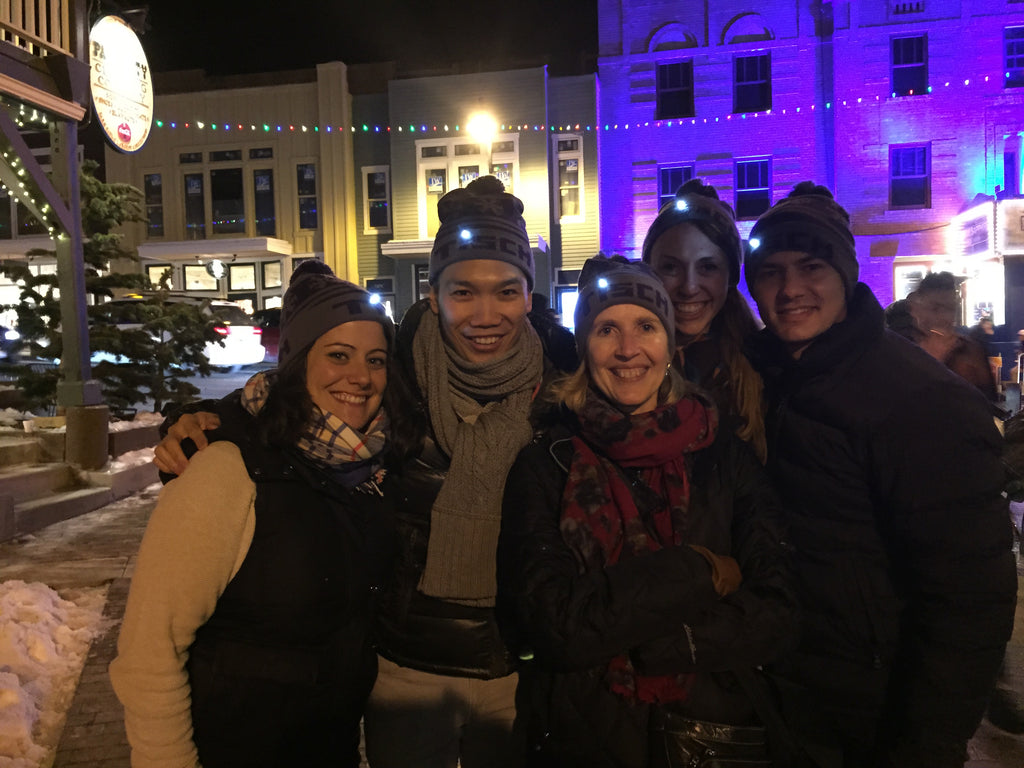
[570, 177]
[154, 193]
[376, 199]
[909, 65]
[6, 216]
[671, 178]
[226, 155]
[675, 90]
[753, 188]
[157, 272]
[1011, 172]
[195, 207]
[1013, 41]
[753, 84]
[263, 199]
[910, 183]
[445, 164]
[228, 201]
[306, 179]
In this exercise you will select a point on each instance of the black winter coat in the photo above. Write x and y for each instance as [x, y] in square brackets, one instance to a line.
[415, 630]
[286, 661]
[890, 467]
[660, 607]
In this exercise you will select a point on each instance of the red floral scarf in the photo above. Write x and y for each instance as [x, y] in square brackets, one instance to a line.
[600, 519]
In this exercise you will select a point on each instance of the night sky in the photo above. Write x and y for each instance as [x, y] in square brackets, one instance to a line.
[238, 36]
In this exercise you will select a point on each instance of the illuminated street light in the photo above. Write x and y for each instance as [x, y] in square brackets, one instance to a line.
[482, 127]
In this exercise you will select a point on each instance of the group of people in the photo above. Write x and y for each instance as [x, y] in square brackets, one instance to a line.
[680, 541]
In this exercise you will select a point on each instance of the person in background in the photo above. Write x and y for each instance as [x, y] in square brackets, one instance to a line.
[889, 471]
[246, 639]
[694, 248]
[641, 565]
[935, 305]
[900, 320]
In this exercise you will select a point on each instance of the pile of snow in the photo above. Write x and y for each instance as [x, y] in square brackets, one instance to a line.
[44, 640]
[142, 419]
[12, 417]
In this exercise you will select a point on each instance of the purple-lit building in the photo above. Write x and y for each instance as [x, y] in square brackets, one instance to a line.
[912, 112]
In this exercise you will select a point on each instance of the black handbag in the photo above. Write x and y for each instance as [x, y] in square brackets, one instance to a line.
[681, 742]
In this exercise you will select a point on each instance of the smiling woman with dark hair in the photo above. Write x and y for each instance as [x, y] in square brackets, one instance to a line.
[246, 638]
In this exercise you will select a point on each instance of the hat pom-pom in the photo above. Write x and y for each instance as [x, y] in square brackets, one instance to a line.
[485, 185]
[810, 188]
[311, 267]
[698, 187]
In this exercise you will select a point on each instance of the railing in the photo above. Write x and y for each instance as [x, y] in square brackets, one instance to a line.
[44, 27]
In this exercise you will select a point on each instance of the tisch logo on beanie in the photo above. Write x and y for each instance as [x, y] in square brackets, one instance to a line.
[316, 301]
[482, 221]
[808, 220]
[606, 281]
[698, 203]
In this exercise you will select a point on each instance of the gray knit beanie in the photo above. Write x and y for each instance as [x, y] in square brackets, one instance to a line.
[698, 203]
[482, 221]
[808, 220]
[606, 281]
[316, 301]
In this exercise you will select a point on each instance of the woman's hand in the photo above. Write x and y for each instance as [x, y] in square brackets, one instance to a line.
[168, 455]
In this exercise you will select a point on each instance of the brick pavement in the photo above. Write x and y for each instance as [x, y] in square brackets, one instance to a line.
[94, 735]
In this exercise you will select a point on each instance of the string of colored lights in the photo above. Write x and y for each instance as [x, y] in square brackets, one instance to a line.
[424, 128]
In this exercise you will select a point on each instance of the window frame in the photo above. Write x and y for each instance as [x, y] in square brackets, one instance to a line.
[660, 91]
[921, 65]
[451, 162]
[663, 196]
[894, 149]
[1016, 57]
[296, 164]
[366, 170]
[765, 83]
[570, 154]
[764, 189]
[154, 206]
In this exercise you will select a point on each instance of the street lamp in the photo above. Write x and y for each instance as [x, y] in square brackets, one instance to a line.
[482, 127]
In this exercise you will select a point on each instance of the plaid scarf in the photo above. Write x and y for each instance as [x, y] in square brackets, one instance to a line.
[327, 441]
[601, 522]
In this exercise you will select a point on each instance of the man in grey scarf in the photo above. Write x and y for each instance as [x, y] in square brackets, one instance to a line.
[446, 687]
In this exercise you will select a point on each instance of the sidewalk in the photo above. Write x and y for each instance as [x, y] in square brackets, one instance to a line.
[99, 548]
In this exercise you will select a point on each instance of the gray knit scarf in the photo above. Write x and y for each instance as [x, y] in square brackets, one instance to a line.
[480, 414]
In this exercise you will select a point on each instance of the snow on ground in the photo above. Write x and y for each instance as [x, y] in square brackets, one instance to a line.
[44, 639]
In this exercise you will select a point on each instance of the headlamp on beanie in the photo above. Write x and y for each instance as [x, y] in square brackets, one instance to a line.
[698, 204]
[808, 220]
[607, 281]
[316, 301]
[482, 221]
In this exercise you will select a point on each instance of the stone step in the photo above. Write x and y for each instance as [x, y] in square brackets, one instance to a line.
[20, 450]
[22, 482]
[32, 515]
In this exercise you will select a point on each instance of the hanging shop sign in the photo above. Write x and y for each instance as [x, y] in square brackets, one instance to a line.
[1011, 227]
[122, 89]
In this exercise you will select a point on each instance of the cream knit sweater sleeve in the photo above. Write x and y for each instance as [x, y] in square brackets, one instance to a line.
[197, 537]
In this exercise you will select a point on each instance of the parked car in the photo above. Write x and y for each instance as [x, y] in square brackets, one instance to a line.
[238, 330]
[269, 321]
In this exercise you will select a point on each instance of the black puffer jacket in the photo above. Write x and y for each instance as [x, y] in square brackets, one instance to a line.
[660, 607]
[413, 629]
[890, 467]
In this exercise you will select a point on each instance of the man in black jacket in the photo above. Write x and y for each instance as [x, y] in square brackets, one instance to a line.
[445, 693]
[889, 467]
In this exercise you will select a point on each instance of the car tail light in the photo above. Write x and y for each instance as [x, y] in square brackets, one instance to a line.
[258, 331]
[223, 331]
